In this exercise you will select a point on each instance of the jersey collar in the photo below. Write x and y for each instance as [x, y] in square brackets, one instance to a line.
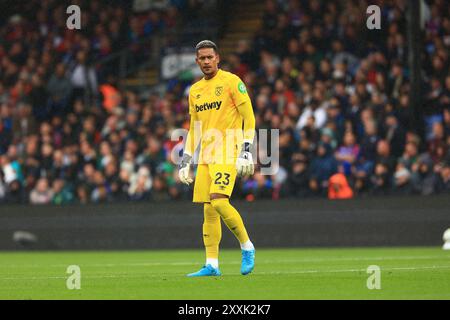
[218, 71]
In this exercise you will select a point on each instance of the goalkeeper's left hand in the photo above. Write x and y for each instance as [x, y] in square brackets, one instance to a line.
[244, 163]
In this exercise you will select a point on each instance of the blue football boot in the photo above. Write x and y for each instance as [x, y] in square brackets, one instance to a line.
[248, 261]
[206, 271]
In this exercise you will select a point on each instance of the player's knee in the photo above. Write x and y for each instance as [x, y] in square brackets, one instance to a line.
[208, 209]
[210, 214]
[219, 202]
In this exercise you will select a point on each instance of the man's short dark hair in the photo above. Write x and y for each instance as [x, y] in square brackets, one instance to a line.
[206, 44]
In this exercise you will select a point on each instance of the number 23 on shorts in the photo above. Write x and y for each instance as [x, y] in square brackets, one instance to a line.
[223, 179]
[226, 178]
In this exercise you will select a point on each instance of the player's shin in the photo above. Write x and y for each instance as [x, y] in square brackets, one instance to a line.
[232, 218]
[212, 234]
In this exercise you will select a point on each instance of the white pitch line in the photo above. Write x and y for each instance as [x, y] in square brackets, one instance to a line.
[359, 270]
[307, 260]
[186, 263]
[128, 276]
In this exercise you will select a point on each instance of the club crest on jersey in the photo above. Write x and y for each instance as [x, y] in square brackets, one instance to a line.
[219, 91]
[208, 106]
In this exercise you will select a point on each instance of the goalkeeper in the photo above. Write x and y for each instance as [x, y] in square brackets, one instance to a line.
[218, 106]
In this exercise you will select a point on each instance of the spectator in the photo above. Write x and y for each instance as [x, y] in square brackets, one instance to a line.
[38, 99]
[42, 193]
[436, 144]
[347, 154]
[384, 156]
[282, 96]
[369, 142]
[113, 180]
[5, 137]
[24, 124]
[380, 180]
[443, 182]
[84, 78]
[257, 187]
[9, 173]
[299, 178]
[140, 185]
[313, 110]
[59, 89]
[82, 194]
[101, 191]
[395, 134]
[338, 187]
[323, 166]
[2, 191]
[423, 177]
[402, 179]
[61, 194]
[410, 155]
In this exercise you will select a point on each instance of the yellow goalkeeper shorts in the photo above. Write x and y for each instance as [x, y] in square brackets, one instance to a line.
[214, 178]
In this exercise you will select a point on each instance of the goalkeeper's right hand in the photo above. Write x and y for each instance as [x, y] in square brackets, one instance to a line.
[183, 172]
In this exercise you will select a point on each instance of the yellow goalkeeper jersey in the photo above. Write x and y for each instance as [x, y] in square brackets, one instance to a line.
[213, 103]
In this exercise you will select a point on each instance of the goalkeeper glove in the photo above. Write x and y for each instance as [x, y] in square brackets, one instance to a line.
[244, 163]
[183, 172]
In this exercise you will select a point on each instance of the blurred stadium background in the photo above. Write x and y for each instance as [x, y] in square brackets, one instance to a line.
[86, 117]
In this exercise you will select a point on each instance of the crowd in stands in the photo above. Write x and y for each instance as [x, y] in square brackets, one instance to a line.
[338, 93]
[66, 133]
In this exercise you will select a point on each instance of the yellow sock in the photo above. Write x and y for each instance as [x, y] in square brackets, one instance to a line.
[231, 217]
[212, 231]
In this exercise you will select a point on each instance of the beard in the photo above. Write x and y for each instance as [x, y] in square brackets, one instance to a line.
[209, 71]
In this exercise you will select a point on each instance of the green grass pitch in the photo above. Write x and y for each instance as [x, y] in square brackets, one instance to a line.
[406, 273]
